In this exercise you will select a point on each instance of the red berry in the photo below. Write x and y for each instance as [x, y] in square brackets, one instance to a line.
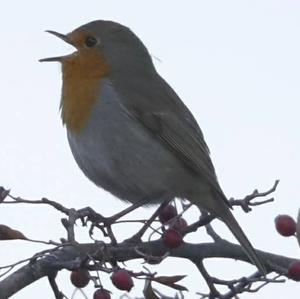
[122, 280]
[101, 294]
[285, 225]
[167, 214]
[80, 278]
[180, 224]
[172, 238]
[294, 270]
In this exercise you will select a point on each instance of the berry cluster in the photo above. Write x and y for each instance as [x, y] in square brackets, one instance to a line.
[121, 279]
[172, 237]
[287, 226]
[173, 226]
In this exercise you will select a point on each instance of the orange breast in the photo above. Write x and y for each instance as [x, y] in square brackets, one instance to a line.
[82, 73]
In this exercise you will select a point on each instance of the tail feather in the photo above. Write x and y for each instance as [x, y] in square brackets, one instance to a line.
[237, 231]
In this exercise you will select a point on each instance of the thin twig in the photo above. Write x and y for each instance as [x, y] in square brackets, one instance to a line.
[54, 204]
[57, 293]
[246, 202]
[214, 293]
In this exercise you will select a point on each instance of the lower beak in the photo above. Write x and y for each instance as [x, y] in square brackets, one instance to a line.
[62, 37]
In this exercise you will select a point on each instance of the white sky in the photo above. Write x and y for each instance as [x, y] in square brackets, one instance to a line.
[235, 63]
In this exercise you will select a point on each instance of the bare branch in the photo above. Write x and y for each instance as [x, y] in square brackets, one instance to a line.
[100, 256]
[63, 257]
[246, 202]
[214, 293]
[54, 204]
[57, 293]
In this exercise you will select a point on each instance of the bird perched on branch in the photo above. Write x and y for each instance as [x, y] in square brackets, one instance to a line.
[128, 130]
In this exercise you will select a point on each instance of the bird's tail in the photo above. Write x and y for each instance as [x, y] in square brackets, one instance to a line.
[237, 231]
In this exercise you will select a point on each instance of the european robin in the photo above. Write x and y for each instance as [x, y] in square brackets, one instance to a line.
[128, 130]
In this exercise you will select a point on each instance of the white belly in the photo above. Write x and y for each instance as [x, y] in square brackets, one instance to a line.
[117, 153]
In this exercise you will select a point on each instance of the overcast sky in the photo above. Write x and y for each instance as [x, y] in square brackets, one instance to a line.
[236, 64]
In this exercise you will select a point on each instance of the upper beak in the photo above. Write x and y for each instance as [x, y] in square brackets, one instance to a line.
[64, 38]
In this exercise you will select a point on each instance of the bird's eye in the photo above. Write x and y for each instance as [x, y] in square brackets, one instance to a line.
[90, 41]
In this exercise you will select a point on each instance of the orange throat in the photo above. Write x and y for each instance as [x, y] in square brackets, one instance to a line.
[82, 74]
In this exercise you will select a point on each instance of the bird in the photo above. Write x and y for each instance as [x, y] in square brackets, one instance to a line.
[128, 130]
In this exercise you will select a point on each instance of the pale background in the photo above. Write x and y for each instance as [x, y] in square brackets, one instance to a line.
[236, 64]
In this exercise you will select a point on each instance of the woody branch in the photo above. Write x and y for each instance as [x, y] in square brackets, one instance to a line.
[71, 255]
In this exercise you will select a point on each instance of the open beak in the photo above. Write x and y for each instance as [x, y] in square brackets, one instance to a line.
[62, 37]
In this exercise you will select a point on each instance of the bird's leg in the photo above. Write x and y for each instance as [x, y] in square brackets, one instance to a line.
[95, 217]
[137, 237]
[90, 214]
[112, 219]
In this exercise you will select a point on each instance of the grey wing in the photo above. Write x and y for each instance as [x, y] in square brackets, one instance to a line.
[160, 110]
[185, 145]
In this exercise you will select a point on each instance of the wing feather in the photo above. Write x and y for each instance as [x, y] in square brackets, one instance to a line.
[158, 108]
